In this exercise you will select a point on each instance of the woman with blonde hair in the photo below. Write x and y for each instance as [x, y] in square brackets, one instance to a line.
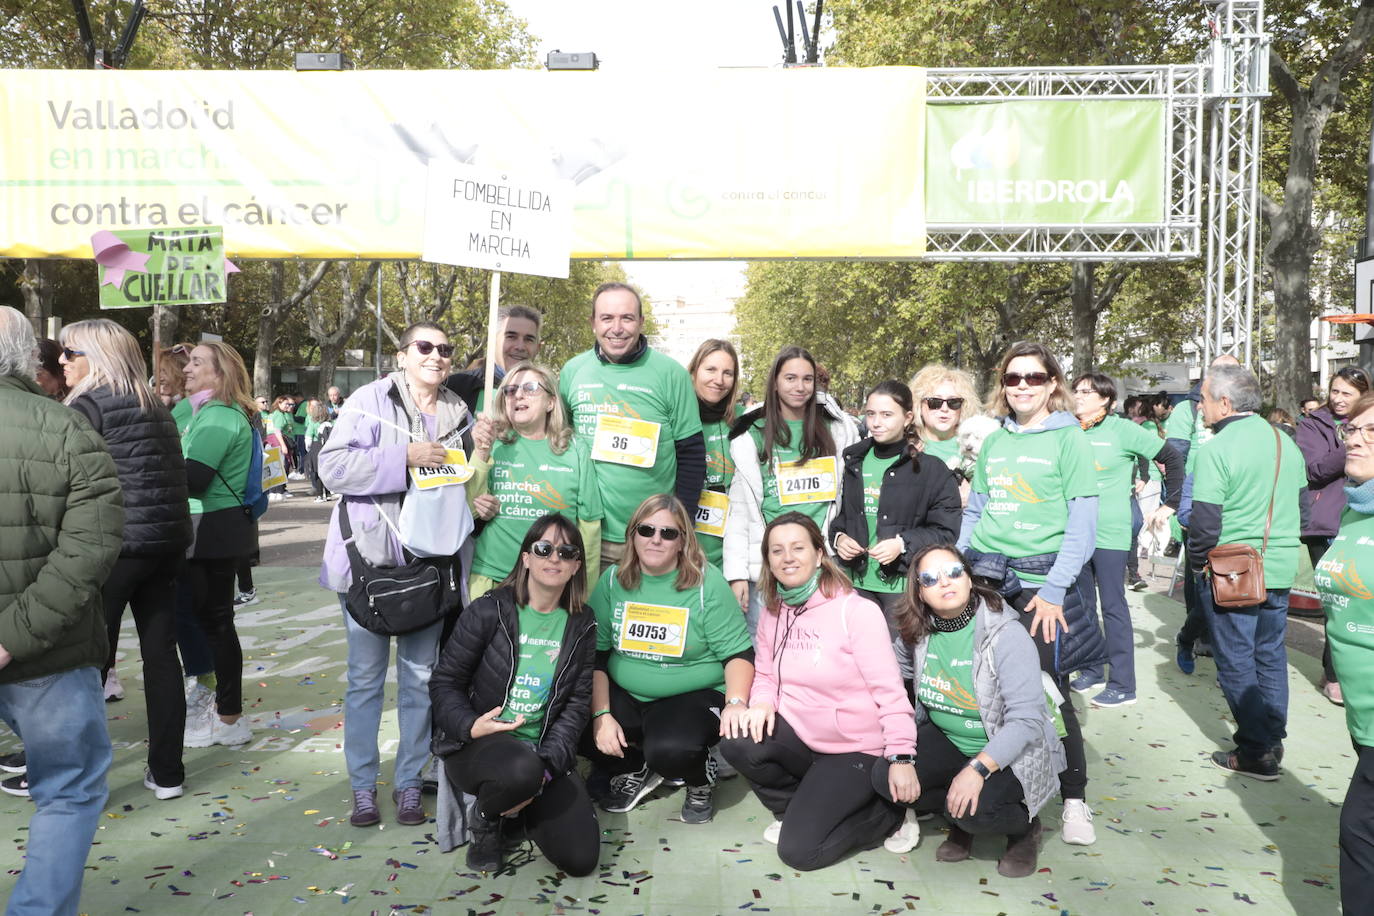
[674, 662]
[944, 398]
[714, 369]
[218, 445]
[527, 459]
[170, 382]
[107, 380]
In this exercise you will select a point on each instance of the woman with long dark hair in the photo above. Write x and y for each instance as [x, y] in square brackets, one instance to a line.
[714, 369]
[788, 454]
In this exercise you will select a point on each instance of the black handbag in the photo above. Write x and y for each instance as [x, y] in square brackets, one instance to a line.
[395, 600]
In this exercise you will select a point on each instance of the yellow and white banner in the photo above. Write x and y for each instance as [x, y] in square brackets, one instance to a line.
[710, 164]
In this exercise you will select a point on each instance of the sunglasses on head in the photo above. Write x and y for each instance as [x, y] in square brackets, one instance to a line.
[931, 577]
[425, 347]
[544, 549]
[511, 391]
[1033, 379]
[72, 354]
[647, 532]
[937, 403]
[180, 350]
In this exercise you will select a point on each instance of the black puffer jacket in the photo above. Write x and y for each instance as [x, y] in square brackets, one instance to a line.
[477, 667]
[152, 472]
[918, 502]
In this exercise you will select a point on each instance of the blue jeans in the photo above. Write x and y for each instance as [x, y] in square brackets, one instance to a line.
[1252, 665]
[61, 720]
[369, 656]
[1109, 569]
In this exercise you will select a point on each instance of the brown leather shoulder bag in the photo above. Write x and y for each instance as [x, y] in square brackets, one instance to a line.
[1237, 570]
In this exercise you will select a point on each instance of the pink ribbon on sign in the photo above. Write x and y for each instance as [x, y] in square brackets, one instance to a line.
[116, 258]
[230, 267]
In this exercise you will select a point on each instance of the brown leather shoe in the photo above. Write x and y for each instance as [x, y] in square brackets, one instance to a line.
[1022, 852]
[957, 847]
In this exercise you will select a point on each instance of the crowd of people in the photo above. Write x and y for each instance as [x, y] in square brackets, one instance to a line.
[615, 577]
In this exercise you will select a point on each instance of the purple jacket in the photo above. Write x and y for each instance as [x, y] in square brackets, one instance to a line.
[1324, 453]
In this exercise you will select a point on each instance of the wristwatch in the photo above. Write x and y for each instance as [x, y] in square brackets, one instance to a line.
[736, 701]
[902, 758]
[979, 767]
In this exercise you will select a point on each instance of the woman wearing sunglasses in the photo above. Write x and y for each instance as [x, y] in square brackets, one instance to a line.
[528, 460]
[1119, 446]
[673, 666]
[1030, 527]
[826, 706]
[388, 429]
[986, 747]
[511, 697]
[787, 455]
[714, 369]
[944, 398]
[895, 500]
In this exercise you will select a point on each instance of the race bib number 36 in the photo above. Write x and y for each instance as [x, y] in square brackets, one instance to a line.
[811, 482]
[455, 469]
[653, 629]
[712, 510]
[622, 440]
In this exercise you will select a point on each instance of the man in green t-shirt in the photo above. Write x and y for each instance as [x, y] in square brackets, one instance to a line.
[637, 410]
[1247, 464]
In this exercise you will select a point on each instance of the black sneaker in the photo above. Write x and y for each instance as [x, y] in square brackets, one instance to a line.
[1265, 768]
[698, 807]
[628, 788]
[14, 763]
[16, 785]
[484, 846]
[1138, 584]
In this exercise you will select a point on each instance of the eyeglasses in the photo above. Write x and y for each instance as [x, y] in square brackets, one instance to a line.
[952, 403]
[647, 532]
[1366, 432]
[543, 549]
[511, 391]
[931, 577]
[1085, 391]
[72, 354]
[1033, 379]
[425, 347]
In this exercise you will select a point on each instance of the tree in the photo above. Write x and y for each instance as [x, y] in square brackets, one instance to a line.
[278, 303]
[332, 325]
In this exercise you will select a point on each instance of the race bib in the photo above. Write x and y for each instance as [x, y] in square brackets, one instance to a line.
[455, 469]
[653, 629]
[712, 509]
[622, 440]
[273, 468]
[811, 482]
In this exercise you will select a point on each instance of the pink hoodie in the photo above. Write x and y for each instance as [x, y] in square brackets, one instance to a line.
[829, 670]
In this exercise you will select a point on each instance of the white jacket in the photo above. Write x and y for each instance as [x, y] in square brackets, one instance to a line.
[743, 549]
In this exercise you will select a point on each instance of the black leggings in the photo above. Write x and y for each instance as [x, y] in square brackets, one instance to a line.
[1073, 782]
[1001, 803]
[674, 735]
[211, 583]
[826, 802]
[502, 771]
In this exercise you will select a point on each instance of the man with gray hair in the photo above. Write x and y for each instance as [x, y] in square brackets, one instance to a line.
[64, 525]
[1246, 487]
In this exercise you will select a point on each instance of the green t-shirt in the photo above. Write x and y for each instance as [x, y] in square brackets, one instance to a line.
[530, 481]
[219, 436]
[1349, 604]
[653, 388]
[541, 636]
[1186, 423]
[1029, 479]
[1235, 470]
[283, 423]
[1117, 445]
[944, 449]
[946, 690]
[675, 645]
[771, 506]
[870, 578]
[720, 471]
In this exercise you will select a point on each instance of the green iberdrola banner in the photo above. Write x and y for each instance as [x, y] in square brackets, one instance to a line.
[143, 267]
[1046, 163]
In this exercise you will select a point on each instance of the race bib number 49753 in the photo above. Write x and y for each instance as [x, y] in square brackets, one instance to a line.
[653, 629]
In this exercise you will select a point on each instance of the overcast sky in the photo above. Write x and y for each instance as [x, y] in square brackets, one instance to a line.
[630, 35]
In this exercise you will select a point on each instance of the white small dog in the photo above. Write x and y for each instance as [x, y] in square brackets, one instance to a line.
[972, 433]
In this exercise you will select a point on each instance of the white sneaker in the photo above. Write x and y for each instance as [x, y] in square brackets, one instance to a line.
[772, 832]
[295, 475]
[212, 730]
[274, 497]
[243, 599]
[199, 698]
[1076, 823]
[113, 689]
[163, 793]
[906, 837]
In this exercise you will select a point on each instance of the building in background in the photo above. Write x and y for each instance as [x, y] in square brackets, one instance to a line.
[684, 323]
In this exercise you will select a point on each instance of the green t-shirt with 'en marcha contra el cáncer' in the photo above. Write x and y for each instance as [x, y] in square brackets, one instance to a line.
[1345, 579]
[1117, 445]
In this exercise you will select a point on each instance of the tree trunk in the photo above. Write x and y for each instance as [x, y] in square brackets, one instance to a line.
[332, 335]
[36, 283]
[1082, 296]
[268, 319]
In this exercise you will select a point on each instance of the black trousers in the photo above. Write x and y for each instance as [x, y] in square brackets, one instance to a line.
[502, 771]
[211, 586]
[148, 586]
[888, 601]
[826, 802]
[1357, 834]
[312, 467]
[674, 735]
[1001, 805]
[1073, 782]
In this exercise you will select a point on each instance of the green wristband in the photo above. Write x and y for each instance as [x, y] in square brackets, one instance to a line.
[600, 712]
